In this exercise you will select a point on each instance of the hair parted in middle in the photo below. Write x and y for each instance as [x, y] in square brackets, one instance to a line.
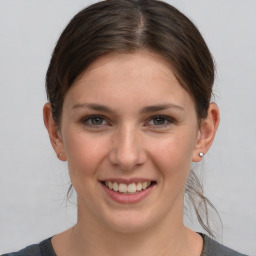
[127, 26]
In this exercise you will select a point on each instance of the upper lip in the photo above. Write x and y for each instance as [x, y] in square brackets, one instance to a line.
[126, 181]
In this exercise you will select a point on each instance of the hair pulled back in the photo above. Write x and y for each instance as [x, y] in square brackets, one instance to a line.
[126, 26]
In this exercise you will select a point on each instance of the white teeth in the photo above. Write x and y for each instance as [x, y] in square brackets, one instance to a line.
[122, 188]
[110, 184]
[115, 186]
[144, 184]
[130, 188]
[139, 186]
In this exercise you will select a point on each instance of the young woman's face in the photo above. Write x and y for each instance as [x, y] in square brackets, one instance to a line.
[129, 132]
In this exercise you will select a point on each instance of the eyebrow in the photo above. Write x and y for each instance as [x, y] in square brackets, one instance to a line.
[144, 110]
[156, 108]
[93, 106]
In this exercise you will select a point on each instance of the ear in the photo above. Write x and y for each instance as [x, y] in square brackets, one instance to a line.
[207, 131]
[54, 133]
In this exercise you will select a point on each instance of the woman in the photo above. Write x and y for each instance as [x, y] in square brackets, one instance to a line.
[129, 88]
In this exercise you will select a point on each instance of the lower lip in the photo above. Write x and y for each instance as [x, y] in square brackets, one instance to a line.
[127, 198]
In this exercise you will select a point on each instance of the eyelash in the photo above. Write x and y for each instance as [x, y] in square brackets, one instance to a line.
[167, 119]
[90, 118]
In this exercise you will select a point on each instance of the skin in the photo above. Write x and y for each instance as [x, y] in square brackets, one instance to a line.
[130, 140]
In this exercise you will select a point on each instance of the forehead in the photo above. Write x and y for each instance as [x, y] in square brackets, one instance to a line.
[141, 77]
[125, 65]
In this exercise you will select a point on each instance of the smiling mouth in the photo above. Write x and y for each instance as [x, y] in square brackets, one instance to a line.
[132, 188]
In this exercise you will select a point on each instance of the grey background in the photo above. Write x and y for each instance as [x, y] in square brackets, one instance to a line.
[33, 183]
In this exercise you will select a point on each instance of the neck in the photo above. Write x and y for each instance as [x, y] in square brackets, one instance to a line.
[90, 237]
[151, 241]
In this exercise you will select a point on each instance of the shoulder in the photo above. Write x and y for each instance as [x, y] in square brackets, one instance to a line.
[42, 249]
[213, 248]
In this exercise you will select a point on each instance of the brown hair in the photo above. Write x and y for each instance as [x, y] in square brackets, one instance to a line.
[126, 26]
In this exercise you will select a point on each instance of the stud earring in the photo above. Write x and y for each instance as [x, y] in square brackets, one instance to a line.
[201, 154]
[59, 155]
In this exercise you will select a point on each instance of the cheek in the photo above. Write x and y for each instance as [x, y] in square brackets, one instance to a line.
[173, 161]
[84, 153]
[173, 155]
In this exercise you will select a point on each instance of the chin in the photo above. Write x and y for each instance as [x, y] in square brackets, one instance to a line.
[128, 223]
[128, 228]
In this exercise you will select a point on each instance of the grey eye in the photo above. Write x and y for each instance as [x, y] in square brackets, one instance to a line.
[159, 120]
[96, 120]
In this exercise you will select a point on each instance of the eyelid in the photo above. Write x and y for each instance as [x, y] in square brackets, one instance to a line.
[170, 120]
[87, 118]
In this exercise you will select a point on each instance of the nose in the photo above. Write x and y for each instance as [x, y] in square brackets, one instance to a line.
[127, 150]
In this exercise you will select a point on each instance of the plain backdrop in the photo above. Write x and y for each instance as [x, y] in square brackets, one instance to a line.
[33, 183]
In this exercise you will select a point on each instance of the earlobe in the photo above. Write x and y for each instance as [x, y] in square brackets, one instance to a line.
[206, 133]
[53, 132]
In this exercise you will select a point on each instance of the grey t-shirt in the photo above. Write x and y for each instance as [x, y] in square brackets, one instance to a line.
[210, 248]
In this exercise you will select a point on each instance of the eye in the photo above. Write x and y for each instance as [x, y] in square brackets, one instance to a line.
[94, 121]
[160, 121]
